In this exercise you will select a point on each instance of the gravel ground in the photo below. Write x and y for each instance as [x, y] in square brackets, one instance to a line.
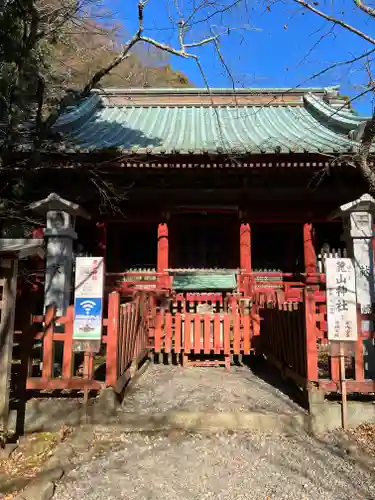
[164, 387]
[224, 466]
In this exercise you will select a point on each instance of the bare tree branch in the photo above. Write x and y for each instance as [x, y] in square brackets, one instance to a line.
[137, 37]
[366, 143]
[366, 8]
[337, 21]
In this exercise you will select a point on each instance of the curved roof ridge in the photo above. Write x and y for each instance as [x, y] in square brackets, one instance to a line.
[217, 90]
[343, 118]
[83, 110]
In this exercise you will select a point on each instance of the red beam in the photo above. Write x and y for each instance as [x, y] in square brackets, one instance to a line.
[39, 384]
[364, 387]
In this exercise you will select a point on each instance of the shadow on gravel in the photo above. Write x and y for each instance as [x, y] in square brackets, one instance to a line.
[269, 374]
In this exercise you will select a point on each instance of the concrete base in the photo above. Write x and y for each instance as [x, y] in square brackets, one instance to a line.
[325, 416]
[48, 415]
[202, 421]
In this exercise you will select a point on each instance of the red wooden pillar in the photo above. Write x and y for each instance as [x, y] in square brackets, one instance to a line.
[245, 248]
[311, 346]
[309, 250]
[245, 255]
[163, 252]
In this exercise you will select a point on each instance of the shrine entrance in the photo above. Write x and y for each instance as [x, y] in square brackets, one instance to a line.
[204, 240]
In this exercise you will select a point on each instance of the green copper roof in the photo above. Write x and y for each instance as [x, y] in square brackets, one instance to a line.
[205, 282]
[310, 125]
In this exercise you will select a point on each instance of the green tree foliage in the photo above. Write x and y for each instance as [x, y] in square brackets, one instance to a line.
[48, 47]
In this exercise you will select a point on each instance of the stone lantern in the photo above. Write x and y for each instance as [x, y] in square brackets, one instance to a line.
[59, 235]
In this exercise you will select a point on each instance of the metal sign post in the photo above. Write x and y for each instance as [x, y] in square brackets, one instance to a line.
[341, 317]
[88, 304]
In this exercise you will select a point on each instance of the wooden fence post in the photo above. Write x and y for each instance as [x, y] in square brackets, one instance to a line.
[48, 347]
[112, 339]
[311, 347]
[68, 356]
[9, 270]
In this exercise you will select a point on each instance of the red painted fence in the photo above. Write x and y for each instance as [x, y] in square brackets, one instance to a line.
[288, 324]
[125, 334]
[127, 338]
[218, 334]
[293, 336]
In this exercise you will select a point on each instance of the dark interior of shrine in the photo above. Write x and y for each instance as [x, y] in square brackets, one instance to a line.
[204, 240]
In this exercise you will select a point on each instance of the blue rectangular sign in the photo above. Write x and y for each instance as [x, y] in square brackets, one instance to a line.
[88, 318]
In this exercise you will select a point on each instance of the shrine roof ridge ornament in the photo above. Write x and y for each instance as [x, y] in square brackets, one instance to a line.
[54, 202]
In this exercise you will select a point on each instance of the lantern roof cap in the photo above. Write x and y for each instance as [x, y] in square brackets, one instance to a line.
[365, 203]
[54, 202]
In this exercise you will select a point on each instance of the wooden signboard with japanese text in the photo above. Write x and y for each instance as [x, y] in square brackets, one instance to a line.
[341, 300]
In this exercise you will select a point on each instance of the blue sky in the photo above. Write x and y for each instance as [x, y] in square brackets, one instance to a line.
[282, 46]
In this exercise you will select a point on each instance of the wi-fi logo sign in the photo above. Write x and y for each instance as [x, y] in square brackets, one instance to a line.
[87, 306]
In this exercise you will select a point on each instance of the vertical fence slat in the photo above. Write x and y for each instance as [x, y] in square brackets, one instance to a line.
[158, 330]
[135, 328]
[187, 332]
[197, 333]
[68, 356]
[236, 333]
[177, 333]
[246, 334]
[124, 334]
[112, 339]
[124, 324]
[226, 328]
[217, 342]
[48, 350]
[207, 334]
[168, 332]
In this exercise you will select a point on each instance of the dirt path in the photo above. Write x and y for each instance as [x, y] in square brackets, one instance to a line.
[178, 465]
[165, 388]
[248, 466]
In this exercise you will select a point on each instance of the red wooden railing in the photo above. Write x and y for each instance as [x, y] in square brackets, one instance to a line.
[128, 282]
[43, 328]
[127, 338]
[125, 333]
[293, 336]
[219, 334]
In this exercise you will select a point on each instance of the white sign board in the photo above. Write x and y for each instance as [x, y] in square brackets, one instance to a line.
[88, 298]
[341, 300]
